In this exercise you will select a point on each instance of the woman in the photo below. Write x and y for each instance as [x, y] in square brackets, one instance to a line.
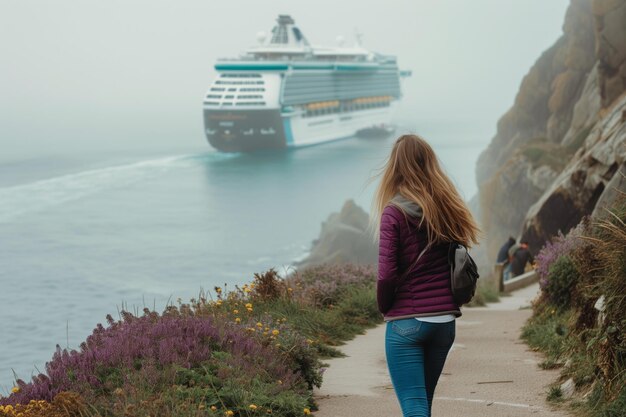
[417, 212]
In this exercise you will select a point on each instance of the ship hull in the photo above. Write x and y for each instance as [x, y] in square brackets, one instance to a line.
[253, 130]
[244, 130]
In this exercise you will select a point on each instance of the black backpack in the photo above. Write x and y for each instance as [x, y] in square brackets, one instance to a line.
[463, 273]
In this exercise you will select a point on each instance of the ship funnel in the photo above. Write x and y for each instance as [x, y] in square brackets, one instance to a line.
[286, 33]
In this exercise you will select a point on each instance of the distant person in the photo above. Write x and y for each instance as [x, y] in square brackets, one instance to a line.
[512, 250]
[520, 258]
[418, 212]
[503, 258]
[503, 253]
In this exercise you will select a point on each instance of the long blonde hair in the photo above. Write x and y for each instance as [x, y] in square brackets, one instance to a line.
[413, 171]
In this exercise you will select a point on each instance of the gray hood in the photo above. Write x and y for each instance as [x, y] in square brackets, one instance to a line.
[409, 207]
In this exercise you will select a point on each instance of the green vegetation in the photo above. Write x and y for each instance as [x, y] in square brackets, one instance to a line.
[254, 350]
[579, 321]
[486, 292]
[540, 151]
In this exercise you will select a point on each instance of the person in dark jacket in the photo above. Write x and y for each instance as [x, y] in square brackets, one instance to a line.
[503, 253]
[520, 258]
[417, 213]
[503, 257]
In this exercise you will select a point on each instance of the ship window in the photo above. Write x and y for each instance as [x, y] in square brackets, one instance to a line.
[251, 89]
[241, 75]
[227, 104]
[217, 89]
[232, 89]
[231, 96]
[250, 96]
[220, 82]
[213, 103]
[252, 103]
[214, 96]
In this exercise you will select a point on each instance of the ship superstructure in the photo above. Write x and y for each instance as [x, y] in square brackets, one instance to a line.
[285, 92]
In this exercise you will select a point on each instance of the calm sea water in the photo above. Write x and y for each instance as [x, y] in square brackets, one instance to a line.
[79, 241]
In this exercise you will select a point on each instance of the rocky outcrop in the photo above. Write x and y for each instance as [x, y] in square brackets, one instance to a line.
[610, 17]
[344, 238]
[561, 143]
[590, 176]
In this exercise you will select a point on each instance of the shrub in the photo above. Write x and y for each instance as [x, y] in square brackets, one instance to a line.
[560, 245]
[268, 286]
[254, 348]
[144, 351]
[326, 285]
[563, 277]
[575, 273]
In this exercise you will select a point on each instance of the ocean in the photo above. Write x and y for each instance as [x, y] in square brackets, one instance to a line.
[82, 238]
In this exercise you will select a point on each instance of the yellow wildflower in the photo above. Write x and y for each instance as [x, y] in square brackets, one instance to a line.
[229, 413]
[219, 303]
[249, 305]
[237, 320]
[307, 411]
[280, 382]
[213, 408]
[252, 407]
[236, 311]
[275, 332]
[249, 309]
[259, 325]
[15, 390]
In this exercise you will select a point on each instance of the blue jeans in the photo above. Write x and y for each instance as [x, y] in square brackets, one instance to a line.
[506, 272]
[416, 352]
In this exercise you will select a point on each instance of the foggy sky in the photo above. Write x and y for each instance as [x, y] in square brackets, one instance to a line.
[83, 76]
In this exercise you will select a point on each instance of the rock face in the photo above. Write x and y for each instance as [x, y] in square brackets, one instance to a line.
[562, 142]
[590, 176]
[344, 238]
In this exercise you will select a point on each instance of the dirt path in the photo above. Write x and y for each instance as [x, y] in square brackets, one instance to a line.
[489, 372]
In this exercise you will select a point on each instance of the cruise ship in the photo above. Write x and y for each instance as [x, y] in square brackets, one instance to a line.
[285, 92]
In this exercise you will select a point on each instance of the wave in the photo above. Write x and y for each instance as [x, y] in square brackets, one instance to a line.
[40, 195]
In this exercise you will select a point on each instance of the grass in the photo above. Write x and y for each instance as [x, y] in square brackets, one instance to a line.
[486, 292]
[540, 151]
[587, 346]
[255, 350]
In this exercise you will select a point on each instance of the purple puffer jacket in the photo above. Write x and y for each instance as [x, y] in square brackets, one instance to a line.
[425, 291]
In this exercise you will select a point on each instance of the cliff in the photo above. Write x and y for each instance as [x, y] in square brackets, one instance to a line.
[560, 149]
[343, 239]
